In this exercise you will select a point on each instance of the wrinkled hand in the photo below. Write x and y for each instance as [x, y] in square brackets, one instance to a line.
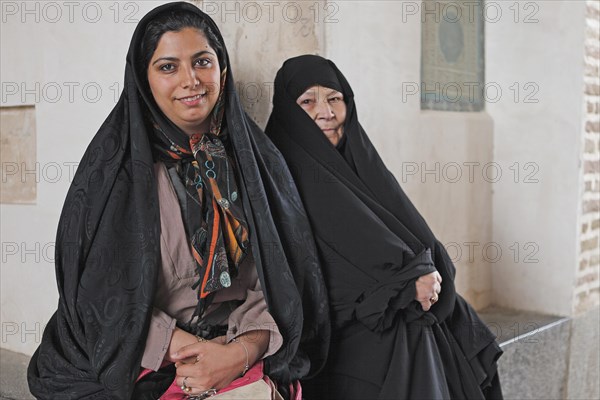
[208, 365]
[428, 288]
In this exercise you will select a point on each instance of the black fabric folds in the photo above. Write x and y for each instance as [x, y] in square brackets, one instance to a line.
[374, 244]
[108, 250]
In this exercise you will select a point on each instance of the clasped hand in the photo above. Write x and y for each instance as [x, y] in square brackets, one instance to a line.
[205, 365]
[428, 288]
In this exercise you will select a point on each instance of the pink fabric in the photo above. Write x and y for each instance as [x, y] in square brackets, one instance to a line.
[295, 391]
[145, 372]
[174, 391]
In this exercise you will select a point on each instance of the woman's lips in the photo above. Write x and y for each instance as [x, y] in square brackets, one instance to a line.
[192, 100]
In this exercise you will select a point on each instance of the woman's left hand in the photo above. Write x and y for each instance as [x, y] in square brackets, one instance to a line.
[215, 364]
[209, 365]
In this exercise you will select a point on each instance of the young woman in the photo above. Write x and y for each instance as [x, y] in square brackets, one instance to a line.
[400, 331]
[184, 256]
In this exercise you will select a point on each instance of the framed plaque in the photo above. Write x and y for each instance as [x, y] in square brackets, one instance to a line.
[452, 55]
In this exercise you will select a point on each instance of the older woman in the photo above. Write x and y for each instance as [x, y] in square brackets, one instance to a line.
[400, 331]
[180, 251]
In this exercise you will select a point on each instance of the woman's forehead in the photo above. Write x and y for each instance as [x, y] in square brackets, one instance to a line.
[318, 89]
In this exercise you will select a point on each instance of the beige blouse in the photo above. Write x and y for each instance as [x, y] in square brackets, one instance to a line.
[175, 300]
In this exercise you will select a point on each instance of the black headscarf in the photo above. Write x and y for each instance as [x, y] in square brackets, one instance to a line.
[373, 244]
[108, 248]
[363, 217]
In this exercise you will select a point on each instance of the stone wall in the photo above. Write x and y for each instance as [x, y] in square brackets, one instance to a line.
[584, 350]
[587, 290]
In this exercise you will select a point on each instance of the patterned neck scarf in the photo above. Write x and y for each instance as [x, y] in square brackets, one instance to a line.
[213, 214]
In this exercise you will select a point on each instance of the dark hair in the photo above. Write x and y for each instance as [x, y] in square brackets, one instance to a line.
[175, 21]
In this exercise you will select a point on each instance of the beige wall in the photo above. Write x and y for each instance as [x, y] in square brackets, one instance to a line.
[540, 215]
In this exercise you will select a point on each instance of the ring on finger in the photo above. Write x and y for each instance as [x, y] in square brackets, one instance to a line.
[184, 386]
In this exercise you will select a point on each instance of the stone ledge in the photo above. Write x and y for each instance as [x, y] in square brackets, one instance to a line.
[534, 364]
[536, 352]
[13, 376]
[511, 326]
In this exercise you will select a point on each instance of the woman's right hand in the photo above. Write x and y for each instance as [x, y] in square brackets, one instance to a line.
[179, 339]
[428, 288]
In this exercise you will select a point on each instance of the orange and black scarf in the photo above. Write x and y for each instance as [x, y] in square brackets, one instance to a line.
[214, 218]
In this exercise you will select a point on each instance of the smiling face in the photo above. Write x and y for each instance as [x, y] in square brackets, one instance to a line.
[184, 78]
[327, 108]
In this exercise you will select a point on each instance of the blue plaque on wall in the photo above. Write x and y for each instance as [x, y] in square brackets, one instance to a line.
[452, 55]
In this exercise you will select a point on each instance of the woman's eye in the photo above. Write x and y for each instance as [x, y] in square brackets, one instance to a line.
[203, 62]
[167, 67]
[306, 101]
[335, 99]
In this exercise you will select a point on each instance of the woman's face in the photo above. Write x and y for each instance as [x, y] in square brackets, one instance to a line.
[184, 78]
[327, 108]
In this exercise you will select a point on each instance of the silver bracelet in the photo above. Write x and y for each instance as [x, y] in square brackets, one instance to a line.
[246, 367]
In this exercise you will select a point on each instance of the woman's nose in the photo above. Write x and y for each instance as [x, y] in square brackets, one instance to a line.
[324, 110]
[189, 78]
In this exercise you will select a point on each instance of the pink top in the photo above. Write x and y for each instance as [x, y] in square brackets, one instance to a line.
[175, 300]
